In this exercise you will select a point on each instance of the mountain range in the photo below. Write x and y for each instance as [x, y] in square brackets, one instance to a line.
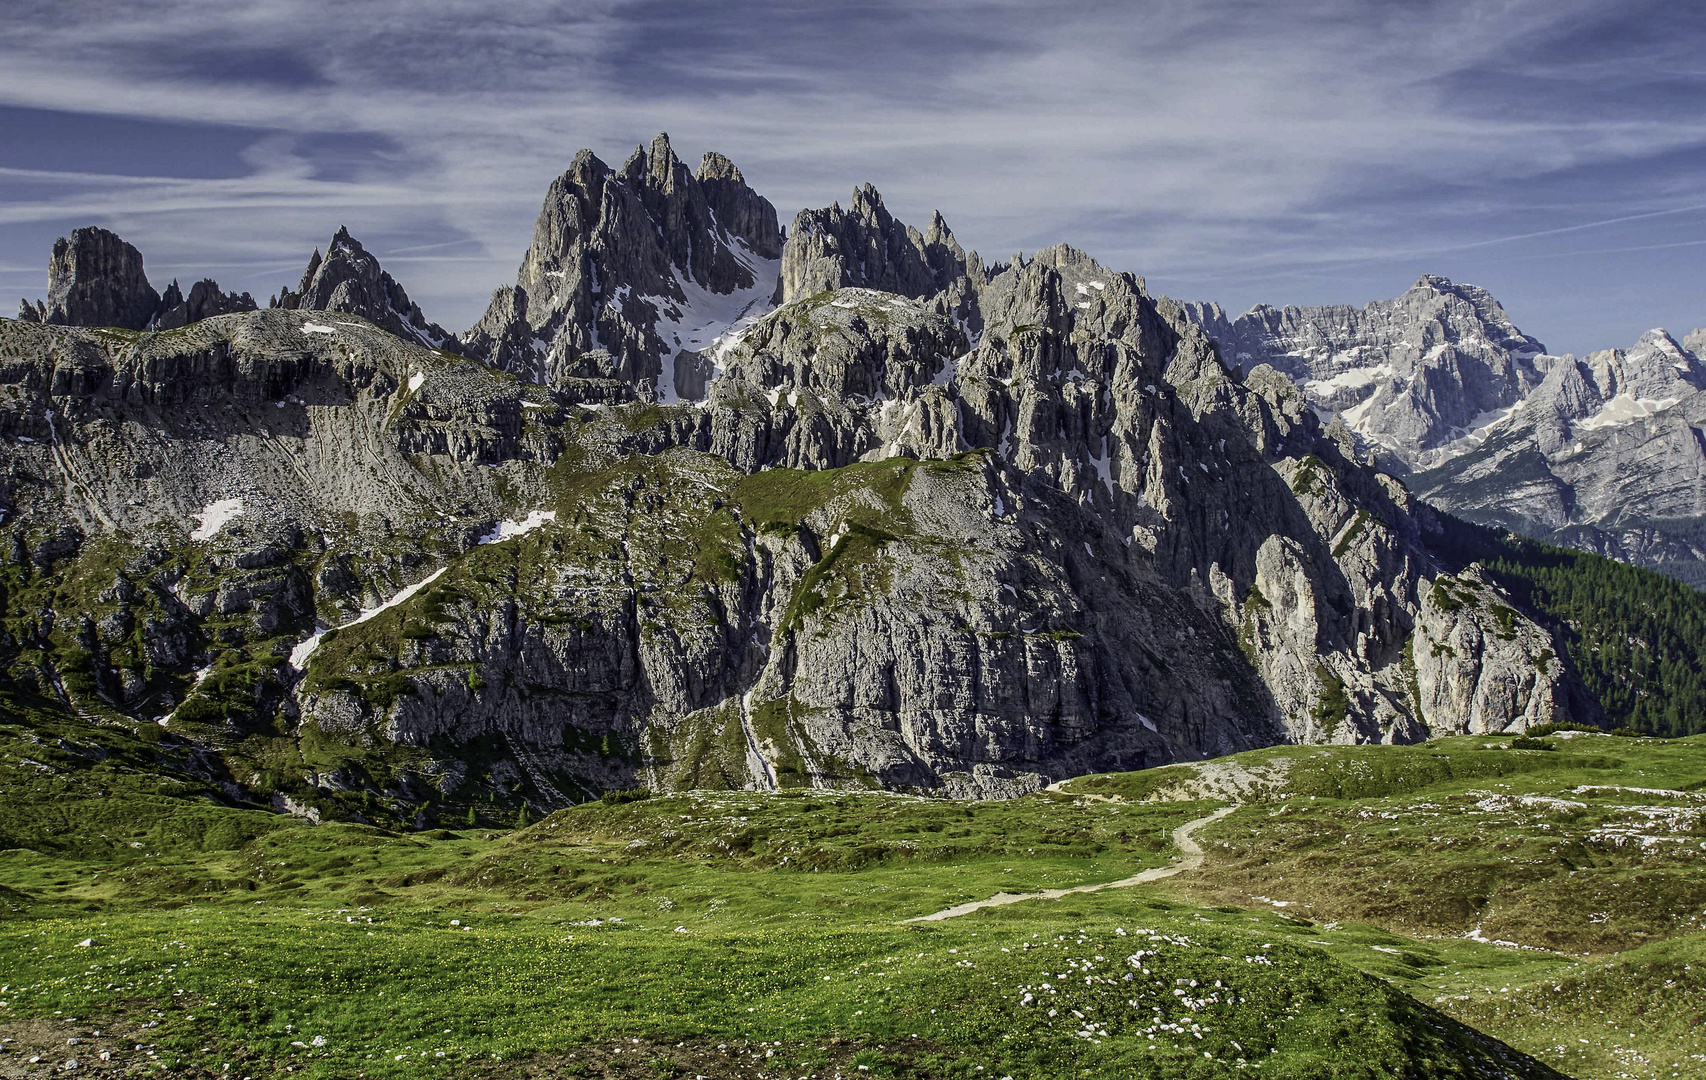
[1603, 453]
[701, 501]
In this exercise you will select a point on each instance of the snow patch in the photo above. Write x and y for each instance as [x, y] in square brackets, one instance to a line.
[950, 368]
[721, 319]
[1102, 467]
[304, 649]
[1483, 423]
[316, 328]
[503, 530]
[214, 517]
[1625, 409]
[415, 381]
[1350, 379]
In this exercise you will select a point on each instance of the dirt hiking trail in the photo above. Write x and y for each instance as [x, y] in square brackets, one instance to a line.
[1191, 858]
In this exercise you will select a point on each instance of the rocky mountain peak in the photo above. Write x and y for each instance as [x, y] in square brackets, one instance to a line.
[714, 166]
[631, 273]
[654, 166]
[1604, 441]
[868, 205]
[348, 278]
[865, 247]
[95, 278]
[1414, 375]
[739, 209]
[1656, 367]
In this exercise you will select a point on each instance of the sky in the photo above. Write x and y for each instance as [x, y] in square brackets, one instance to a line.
[1242, 151]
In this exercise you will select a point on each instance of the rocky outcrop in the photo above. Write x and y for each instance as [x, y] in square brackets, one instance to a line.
[1413, 375]
[1480, 668]
[865, 247]
[349, 279]
[95, 279]
[632, 273]
[204, 301]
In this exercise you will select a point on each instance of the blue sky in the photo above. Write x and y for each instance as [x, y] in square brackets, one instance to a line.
[1553, 152]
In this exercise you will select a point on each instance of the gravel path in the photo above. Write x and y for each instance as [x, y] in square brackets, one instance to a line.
[1192, 857]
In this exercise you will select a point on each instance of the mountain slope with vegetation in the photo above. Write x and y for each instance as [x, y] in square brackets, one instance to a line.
[928, 525]
[1635, 636]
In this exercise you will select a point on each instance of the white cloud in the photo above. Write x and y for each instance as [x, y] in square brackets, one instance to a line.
[1191, 138]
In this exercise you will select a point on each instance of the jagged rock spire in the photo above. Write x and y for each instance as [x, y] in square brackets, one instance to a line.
[94, 278]
[607, 284]
[349, 278]
[865, 247]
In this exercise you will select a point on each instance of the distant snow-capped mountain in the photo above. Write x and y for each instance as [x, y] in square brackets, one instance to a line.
[1413, 375]
[1607, 454]
[1603, 453]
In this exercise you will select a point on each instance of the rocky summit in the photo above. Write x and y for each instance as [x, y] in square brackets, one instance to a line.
[96, 279]
[634, 275]
[348, 279]
[700, 503]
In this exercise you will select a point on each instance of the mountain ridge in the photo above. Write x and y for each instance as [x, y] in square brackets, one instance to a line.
[1023, 525]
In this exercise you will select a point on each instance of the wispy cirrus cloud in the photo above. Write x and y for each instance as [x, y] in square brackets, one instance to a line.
[1228, 149]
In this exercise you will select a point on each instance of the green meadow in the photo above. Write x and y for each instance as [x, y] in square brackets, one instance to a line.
[1460, 909]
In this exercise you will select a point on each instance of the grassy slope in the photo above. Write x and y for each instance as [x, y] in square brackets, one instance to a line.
[1590, 859]
[768, 925]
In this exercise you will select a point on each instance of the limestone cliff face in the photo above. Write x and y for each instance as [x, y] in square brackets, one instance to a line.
[1020, 526]
[1480, 667]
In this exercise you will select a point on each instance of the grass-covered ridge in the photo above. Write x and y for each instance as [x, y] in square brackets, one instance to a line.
[1588, 844]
